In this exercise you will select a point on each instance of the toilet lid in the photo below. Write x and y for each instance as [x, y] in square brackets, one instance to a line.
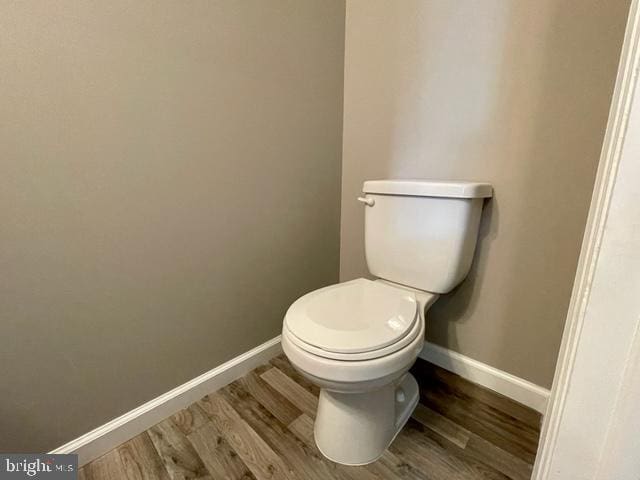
[353, 317]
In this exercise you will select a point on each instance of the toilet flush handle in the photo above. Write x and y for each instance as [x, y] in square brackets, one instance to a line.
[367, 201]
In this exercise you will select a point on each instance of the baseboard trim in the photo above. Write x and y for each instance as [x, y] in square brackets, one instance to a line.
[108, 436]
[518, 389]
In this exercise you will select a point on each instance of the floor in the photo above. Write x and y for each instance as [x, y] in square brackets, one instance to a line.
[261, 427]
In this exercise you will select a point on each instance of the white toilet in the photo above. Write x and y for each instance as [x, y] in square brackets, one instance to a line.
[357, 340]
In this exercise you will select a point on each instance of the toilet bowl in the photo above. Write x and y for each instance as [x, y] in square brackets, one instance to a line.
[357, 340]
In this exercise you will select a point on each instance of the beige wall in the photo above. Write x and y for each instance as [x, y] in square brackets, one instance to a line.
[170, 182]
[513, 93]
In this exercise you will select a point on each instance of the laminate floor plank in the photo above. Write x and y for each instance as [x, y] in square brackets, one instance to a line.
[486, 452]
[428, 454]
[442, 425]
[190, 419]
[277, 404]
[107, 467]
[141, 460]
[180, 459]
[263, 462]
[433, 466]
[428, 373]
[302, 427]
[294, 392]
[222, 462]
[305, 461]
[260, 427]
[483, 420]
[391, 465]
[282, 363]
[480, 451]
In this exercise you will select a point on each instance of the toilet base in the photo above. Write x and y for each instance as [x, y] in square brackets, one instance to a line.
[356, 428]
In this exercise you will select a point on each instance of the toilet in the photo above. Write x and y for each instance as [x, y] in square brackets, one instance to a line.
[356, 340]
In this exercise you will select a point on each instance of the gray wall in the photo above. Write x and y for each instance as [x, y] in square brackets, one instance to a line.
[170, 182]
[513, 93]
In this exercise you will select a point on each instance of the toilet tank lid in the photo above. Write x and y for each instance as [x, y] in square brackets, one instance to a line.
[429, 188]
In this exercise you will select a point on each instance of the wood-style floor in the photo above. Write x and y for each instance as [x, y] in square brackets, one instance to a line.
[261, 427]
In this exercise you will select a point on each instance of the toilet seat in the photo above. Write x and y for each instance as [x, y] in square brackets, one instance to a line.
[356, 320]
[342, 374]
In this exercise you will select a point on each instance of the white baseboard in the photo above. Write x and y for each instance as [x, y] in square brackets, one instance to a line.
[106, 437]
[522, 391]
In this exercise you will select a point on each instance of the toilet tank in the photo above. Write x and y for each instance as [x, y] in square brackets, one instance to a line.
[422, 233]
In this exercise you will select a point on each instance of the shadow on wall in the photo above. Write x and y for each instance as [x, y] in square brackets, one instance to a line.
[510, 93]
[458, 304]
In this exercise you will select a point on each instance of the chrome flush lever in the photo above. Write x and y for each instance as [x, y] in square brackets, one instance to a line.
[367, 201]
